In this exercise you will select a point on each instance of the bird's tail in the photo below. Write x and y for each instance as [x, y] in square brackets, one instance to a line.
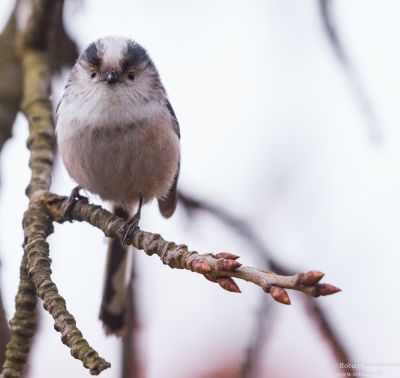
[116, 284]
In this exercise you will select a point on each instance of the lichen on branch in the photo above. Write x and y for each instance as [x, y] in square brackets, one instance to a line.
[35, 278]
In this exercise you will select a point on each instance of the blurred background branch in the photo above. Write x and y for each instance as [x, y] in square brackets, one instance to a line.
[10, 98]
[10, 80]
[4, 331]
[263, 322]
[357, 86]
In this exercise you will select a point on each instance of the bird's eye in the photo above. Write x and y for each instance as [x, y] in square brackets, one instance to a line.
[131, 75]
[92, 73]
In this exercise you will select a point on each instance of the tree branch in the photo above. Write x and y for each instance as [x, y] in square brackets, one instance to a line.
[220, 268]
[23, 326]
[260, 332]
[353, 77]
[10, 80]
[10, 97]
[37, 223]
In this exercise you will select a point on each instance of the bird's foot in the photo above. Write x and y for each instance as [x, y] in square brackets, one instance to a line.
[130, 227]
[73, 198]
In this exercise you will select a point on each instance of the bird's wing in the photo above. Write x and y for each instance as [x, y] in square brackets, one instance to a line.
[175, 123]
[167, 204]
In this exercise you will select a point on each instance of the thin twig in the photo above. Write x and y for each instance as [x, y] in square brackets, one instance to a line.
[322, 319]
[255, 348]
[353, 76]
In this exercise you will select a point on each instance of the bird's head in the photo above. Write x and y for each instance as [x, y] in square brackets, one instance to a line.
[115, 64]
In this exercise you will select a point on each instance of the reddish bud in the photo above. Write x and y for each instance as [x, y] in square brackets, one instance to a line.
[210, 277]
[280, 295]
[327, 289]
[224, 264]
[200, 266]
[226, 255]
[229, 284]
[310, 278]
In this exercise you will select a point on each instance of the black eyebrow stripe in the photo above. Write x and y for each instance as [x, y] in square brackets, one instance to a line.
[135, 55]
[91, 55]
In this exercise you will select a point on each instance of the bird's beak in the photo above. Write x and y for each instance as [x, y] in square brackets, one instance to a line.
[112, 77]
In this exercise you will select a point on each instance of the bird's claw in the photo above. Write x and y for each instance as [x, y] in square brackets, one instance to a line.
[73, 198]
[129, 228]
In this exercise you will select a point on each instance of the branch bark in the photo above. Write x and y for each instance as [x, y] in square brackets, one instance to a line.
[10, 98]
[23, 326]
[37, 223]
[220, 268]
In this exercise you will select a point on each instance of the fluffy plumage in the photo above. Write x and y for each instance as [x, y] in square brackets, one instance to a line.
[117, 133]
[118, 140]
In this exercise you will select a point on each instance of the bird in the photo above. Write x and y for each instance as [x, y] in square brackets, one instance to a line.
[119, 138]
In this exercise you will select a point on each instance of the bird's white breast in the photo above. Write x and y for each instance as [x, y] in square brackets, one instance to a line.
[115, 148]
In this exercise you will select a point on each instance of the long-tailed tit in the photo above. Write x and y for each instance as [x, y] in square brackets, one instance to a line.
[118, 137]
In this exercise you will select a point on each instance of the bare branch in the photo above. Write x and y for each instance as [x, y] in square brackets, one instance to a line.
[10, 80]
[220, 268]
[322, 319]
[23, 325]
[10, 97]
[37, 223]
[260, 332]
[353, 77]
